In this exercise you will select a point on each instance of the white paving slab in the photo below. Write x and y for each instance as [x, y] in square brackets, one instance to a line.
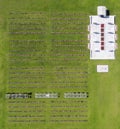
[102, 68]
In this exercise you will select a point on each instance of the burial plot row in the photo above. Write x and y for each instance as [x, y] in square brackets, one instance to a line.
[68, 121]
[47, 95]
[69, 111]
[76, 95]
[18, 95]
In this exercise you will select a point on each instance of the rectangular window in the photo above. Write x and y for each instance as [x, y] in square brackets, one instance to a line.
[102, 25]
[102, 48]
[102, 34]
[102, 30]
[102, 43]
[102, 39]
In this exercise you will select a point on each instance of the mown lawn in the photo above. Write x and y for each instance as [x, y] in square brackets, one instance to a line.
[103, 88]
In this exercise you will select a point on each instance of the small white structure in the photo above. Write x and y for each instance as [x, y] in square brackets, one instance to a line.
[102, 68]
[76, 95]
[101, 11]
[46, 95]
[102, 35]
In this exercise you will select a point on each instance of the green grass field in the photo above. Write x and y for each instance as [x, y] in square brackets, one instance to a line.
[55, 58]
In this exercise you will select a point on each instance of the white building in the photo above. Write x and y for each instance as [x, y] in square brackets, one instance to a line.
[102, 35]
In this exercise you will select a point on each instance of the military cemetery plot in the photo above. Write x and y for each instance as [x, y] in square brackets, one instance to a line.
[48, 69]
[59, 64]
